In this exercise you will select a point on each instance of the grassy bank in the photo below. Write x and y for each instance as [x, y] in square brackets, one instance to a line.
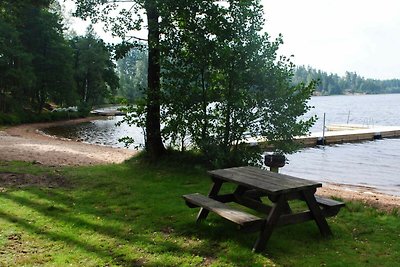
[30, 117]
[133, 215]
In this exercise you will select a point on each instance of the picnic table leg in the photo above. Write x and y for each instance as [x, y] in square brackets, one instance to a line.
[277, 210]
[287, 209]
[203, 213]
[317, 213]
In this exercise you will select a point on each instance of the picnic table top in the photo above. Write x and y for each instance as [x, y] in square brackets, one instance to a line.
[263, 180]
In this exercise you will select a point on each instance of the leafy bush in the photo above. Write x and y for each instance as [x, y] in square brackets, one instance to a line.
[84, 110]
[9, 119]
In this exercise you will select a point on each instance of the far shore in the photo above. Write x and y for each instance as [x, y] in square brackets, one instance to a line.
[27, 143]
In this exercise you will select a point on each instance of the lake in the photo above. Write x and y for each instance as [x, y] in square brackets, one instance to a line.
[372, 163]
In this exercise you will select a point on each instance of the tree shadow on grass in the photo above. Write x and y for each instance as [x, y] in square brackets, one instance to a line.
[119, 229]
[55, 236]
[136, 215]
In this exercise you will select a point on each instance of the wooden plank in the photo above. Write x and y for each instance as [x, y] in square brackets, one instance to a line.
[239, 217]
[278, 178]
[269, 182]
[327, 202]
[330, 207]
[246, 180]
[273, 178]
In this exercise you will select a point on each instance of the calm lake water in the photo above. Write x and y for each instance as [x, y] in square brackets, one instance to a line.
[101, 132]
[373, 163]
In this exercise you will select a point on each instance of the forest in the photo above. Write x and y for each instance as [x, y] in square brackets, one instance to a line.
[350, 83]
[44, 66]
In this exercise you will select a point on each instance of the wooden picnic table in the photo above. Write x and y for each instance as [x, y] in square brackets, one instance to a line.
[253, 184]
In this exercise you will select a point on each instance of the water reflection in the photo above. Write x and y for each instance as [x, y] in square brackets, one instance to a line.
[101, 132]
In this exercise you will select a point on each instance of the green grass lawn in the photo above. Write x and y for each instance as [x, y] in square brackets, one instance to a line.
[132, 214]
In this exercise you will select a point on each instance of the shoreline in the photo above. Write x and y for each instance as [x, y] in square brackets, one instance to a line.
[27, 143]
[369, 196]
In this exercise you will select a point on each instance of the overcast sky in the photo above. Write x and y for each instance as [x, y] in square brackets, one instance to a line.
[339, 35]
[361, 36]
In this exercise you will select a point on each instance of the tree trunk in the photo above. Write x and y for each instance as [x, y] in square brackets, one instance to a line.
[154, 145]
[204, 105]
[2, 100]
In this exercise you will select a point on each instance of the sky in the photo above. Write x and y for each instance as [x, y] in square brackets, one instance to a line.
[336, 36]
[361, 36]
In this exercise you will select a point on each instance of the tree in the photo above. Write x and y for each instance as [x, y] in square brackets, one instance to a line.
[15, 66]
[132, 70]
[223, 81]
[129, 19]
[94, 70]
[216, 76]
[351, 82]
[39, 58]
[42, 36]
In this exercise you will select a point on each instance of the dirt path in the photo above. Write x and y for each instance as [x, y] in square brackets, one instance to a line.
[26, 143]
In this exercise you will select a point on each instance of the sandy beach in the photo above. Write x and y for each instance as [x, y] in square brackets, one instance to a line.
[27, 143]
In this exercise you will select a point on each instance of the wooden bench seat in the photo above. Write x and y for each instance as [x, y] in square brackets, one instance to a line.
[329, 206]
[243, 219]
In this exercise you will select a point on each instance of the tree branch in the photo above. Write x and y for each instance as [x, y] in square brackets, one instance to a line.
[137, 38]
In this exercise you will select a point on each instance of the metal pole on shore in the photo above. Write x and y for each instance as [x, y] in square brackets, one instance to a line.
[348, 117]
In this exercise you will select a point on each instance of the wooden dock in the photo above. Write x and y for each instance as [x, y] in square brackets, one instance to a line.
[108, 112]
[350, 135]
[341, 133]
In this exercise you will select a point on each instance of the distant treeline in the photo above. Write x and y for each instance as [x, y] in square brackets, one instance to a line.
[350, 83]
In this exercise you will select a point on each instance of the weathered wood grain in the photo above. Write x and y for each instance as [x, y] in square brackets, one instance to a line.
[263, 180]
[239, 217]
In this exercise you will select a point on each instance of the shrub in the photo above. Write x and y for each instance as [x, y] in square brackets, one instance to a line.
[9, 119]
[30, 117]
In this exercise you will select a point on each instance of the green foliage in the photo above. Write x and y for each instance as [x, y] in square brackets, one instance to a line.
[16, 72]
[223, 81]
[94, 70]
[36, 59]
[38, 65]
[332, 84]
[31, 117]
[9, 119]
[42, 37]
[132, 70]
[211, 74]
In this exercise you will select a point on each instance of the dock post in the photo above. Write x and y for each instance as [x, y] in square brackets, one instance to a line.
[321, 141]
[348, 117]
